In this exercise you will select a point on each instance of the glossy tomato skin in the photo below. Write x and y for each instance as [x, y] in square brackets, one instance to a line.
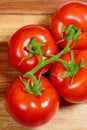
[30, 110]
[22, 38]
[73, 12]
[77, 91]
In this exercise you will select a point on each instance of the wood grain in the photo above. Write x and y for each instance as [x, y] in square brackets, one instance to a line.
[30, 6]
[17, 21]
[69, 117]
[13, 15]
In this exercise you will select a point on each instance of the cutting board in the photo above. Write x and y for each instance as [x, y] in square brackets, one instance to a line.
[13, 15]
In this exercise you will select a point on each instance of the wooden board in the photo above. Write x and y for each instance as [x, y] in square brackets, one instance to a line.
[13, 15]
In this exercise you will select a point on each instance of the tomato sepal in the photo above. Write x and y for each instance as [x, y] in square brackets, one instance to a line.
[32, 88]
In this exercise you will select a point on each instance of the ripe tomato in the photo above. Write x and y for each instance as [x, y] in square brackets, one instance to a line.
[30, 110]
[22, 38]
[77, 91]
[75, 13]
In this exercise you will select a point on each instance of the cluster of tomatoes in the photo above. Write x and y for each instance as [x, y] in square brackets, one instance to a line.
[32, 100]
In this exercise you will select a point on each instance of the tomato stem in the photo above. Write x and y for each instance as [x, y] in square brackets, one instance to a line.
[72, 34]
[42, 63]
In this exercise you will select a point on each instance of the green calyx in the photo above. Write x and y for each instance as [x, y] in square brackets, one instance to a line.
[71, 68]
[34, 48]
[68, 30]
[33, 88]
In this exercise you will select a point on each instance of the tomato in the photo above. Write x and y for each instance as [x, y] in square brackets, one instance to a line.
[73, 12]
[28, 109]
[76, 91]
[23, 38]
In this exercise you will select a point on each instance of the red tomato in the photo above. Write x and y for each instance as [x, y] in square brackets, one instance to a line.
[21, 39]
[30, 110]
[77, 91]
[75, 13]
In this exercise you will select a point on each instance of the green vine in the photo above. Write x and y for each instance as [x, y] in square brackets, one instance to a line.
[72, 33]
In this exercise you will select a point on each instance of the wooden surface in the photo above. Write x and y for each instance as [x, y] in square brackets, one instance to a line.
[13, 15]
